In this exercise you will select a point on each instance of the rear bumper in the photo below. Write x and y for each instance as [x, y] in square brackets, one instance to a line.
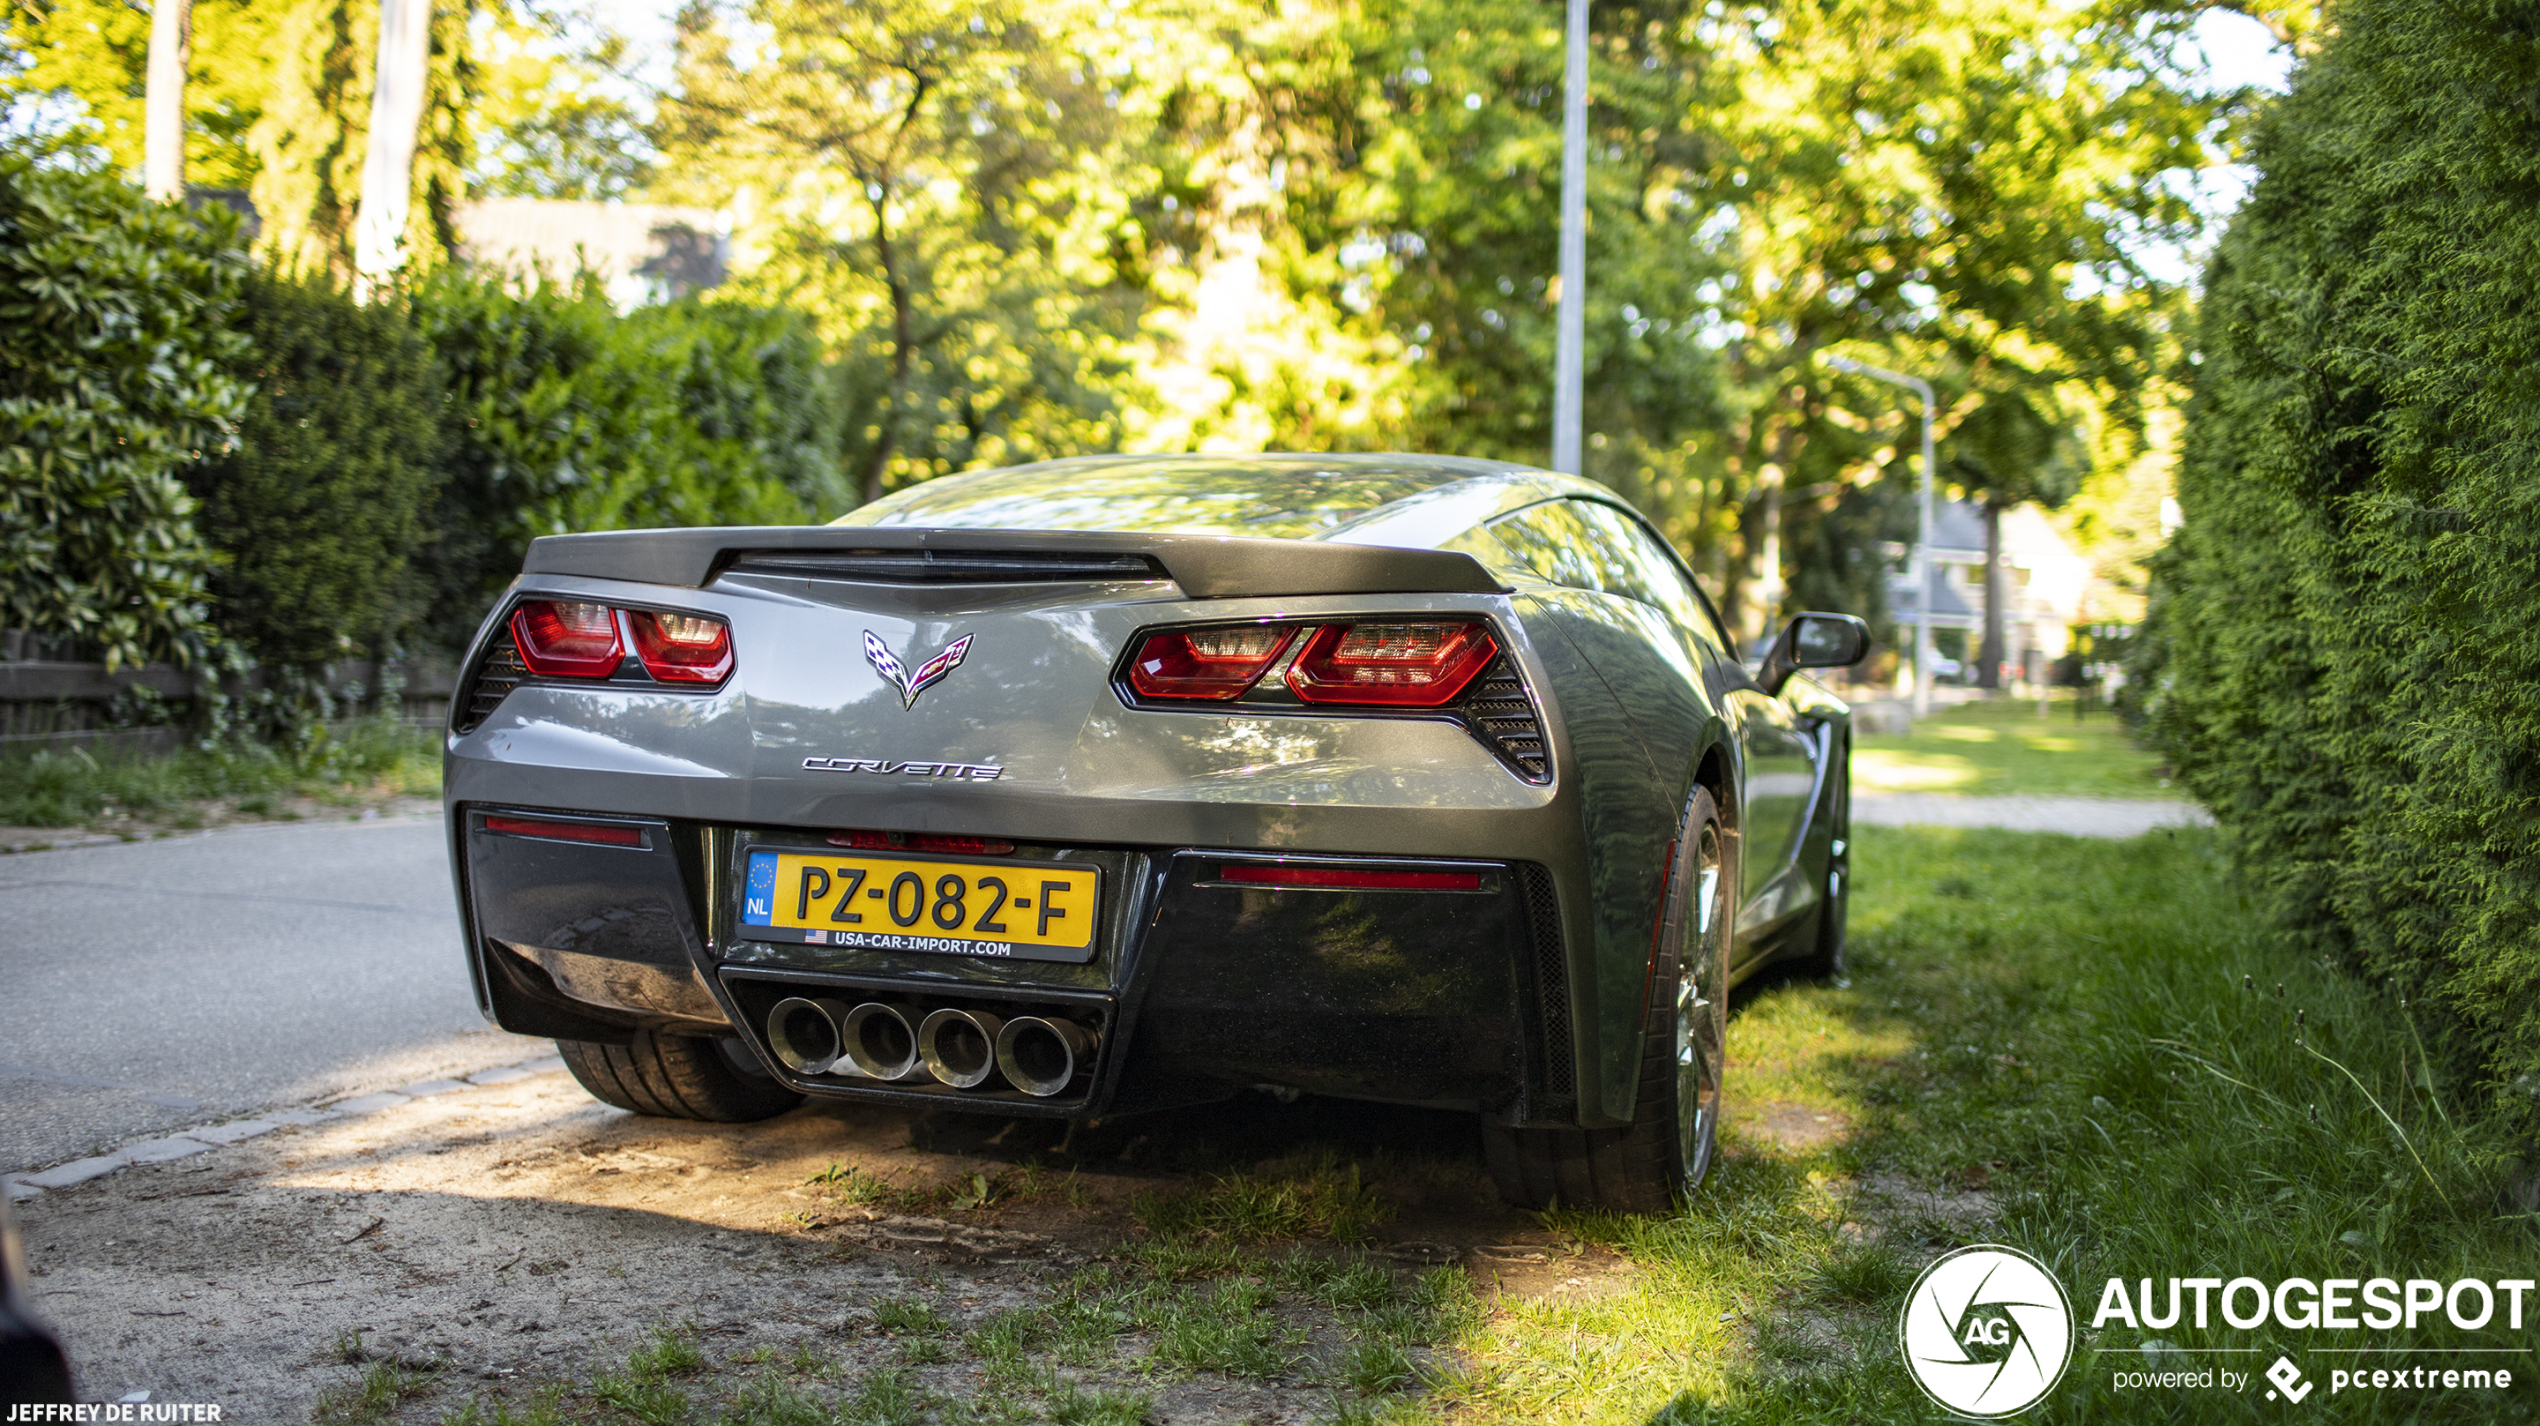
[1198, 987]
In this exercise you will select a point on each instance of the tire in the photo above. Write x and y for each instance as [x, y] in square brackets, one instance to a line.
[1659, 1159]
[675, 1077]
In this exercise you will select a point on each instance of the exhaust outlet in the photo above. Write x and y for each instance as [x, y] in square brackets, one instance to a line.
[876, 1040]
[804, 1034]
[959, 1047]
[1040, 1057]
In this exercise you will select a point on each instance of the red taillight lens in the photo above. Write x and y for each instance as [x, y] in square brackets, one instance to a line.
[1326, 878]
[682, 648]
[600, 832]
[559, 639]
[921, 842]
[1205, 663]
[1395, 665]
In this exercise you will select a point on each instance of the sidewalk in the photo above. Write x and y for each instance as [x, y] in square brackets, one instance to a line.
[2074, 816]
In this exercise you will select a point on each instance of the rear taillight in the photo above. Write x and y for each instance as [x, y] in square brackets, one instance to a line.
[682, 648]
[562, 639]
[1205, 663]
[1405, 665]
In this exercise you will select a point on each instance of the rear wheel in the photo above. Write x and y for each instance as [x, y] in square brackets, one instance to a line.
[676, 1077]
[1661, 1156]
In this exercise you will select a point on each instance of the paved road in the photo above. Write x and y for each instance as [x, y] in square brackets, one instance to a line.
[153, 986]
[2073, 816]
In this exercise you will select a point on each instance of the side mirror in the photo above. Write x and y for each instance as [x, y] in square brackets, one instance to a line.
[1813, 641]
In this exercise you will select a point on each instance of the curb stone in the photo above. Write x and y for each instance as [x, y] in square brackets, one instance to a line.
[186, 1143]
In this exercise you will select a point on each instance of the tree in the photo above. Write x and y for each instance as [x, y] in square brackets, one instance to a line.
[1964, 192]
[97, 53]
[938, 183]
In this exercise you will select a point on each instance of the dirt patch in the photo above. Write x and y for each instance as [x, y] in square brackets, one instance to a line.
[520, 1238]
[1793, 1128]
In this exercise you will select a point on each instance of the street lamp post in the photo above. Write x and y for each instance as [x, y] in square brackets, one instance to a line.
[1922, 533]
[1569, 368]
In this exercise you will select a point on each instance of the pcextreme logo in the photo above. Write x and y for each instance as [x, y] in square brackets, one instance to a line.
[1987, 1331]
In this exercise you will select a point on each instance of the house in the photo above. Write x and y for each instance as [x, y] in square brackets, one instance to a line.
[2043, 584]
[640, 252]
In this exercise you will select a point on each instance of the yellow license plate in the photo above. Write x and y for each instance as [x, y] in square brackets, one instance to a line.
[937, 905]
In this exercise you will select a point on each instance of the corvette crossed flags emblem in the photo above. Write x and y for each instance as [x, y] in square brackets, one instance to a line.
[928, 673]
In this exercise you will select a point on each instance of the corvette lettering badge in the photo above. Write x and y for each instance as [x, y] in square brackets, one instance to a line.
[928, 673]
[971, 772]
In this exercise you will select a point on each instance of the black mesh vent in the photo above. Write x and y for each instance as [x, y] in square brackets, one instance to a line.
[1499, 708]
[497, 676]
[947, 566]
[1552, 983]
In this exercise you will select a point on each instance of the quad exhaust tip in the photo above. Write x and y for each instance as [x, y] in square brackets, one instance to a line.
[879, 1042]
[804, 1034]
[1040, 1056]
[959, 1048]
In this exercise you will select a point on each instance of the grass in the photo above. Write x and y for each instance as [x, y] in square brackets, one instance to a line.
[2095, 1036]
[2004, 748]
[356, 761]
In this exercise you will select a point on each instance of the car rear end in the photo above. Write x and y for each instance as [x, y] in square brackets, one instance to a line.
[1059, 823]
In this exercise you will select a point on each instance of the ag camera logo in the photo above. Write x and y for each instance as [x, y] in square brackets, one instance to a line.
[1987, 1331]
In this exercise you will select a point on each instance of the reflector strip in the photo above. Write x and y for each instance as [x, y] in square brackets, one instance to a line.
[566, 831]
[1352, 878]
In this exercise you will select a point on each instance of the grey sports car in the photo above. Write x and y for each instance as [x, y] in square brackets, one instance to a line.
[1114, 784]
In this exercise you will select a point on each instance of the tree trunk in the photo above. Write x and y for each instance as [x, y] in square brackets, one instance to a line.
[1989, 656]
[388, 161]
[163, 104]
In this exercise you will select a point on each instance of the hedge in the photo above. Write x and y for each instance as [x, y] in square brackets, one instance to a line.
[320, 505]
[2345, 649]
[116, 368]
[563, 415]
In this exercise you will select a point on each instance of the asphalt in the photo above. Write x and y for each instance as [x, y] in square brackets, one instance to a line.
[153, 986]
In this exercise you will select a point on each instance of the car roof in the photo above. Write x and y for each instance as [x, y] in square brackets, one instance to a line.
[1415, 501]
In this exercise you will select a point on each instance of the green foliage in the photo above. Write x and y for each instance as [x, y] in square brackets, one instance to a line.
[312, 133]
[953, 188]
[318, 505]
[115, 371]
[1915, 185]
[76, 787]
[563, 415]
[97, 53]
[2343, 670]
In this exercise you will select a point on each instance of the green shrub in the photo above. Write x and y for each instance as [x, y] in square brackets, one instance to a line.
[562, 415]
[2345, 667]
[116, 353]
[322, 500]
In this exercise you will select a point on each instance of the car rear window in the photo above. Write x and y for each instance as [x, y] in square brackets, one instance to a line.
[1276, 498]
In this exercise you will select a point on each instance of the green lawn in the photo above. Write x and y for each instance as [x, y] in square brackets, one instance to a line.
[2005, 748]
[2089, 1050]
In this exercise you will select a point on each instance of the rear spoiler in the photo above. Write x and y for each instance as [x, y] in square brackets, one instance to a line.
[1205, 566]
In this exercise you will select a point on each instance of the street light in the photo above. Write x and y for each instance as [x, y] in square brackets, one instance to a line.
[1922, 534]
[1569, 368]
